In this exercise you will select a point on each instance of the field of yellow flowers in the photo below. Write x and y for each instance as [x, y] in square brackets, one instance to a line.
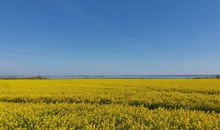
[110, 104]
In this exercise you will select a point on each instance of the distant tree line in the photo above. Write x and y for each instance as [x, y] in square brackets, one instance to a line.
[208, 77]
[24, 77]
[217, 76]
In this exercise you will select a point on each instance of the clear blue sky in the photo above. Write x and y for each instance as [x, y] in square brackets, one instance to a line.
[109, 37]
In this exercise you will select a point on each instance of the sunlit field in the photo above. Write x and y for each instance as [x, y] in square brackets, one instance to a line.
[110, 104]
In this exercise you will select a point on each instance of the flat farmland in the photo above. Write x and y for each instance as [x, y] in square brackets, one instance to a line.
[110, 104]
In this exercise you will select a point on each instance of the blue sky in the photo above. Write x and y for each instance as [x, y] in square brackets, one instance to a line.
[109, 37]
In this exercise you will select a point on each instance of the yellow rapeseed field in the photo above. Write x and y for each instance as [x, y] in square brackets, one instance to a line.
[110, 104]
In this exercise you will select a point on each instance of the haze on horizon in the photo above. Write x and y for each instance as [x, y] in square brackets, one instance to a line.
[64, 37]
